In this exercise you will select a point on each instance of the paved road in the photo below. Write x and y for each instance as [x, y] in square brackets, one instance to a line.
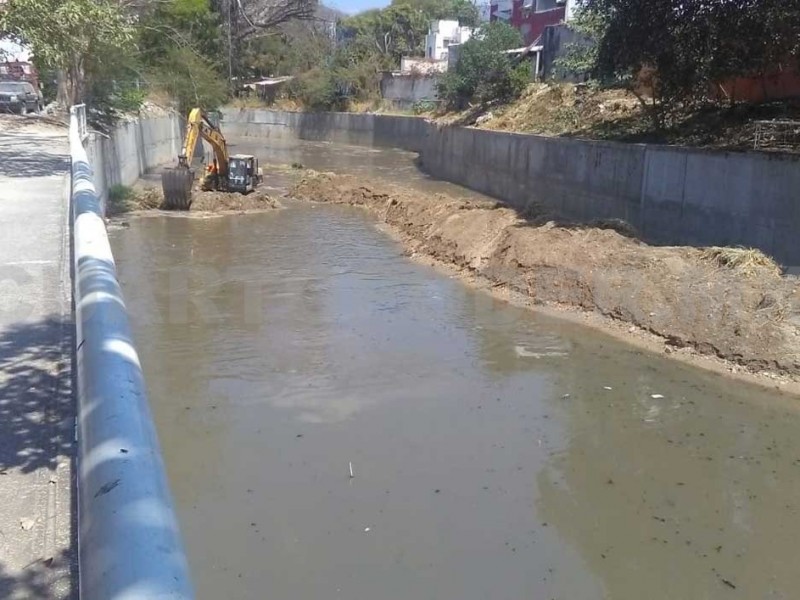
[36, 401]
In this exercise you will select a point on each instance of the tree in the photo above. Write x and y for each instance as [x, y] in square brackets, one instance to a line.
[297, 47]
[463, 11]
[485, 72]
[252, 18]
[181, 52]
[581, 55]
[68, 35]
[678, 49]
[190, 79]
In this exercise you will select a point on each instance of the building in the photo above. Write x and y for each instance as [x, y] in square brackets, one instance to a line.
[443, 34]
[484, 12]
[410, 65]
[532, 16]
[501, 10]
[11, 50]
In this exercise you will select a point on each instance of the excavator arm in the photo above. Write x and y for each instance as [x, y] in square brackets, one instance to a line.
[199, 125]
[177, 182]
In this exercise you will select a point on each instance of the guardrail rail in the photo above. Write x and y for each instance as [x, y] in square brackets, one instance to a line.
[129, 543]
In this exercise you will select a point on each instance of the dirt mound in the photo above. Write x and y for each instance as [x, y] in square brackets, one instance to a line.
[152, 198]
[226, 202]
[732, 308]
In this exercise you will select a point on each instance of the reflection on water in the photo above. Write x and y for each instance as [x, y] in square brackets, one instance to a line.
[490, 460]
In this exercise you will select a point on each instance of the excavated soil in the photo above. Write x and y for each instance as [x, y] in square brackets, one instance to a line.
[151, 199]
[744, 312]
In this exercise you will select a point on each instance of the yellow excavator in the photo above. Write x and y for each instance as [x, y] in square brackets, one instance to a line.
[237, 173]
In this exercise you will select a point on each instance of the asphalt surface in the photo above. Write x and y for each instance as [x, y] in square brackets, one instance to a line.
[37, 409]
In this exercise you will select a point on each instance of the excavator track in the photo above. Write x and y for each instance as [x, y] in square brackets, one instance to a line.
[177, 184]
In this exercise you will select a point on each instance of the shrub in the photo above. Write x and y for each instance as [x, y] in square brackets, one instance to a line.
[485, 72]
[318, 90]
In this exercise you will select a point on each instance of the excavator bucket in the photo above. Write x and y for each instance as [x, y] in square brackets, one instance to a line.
[177, 187]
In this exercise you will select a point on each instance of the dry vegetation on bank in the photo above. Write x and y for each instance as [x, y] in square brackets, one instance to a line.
[588, 111]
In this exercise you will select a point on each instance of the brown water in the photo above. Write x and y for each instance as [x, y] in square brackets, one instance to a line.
[281, 347]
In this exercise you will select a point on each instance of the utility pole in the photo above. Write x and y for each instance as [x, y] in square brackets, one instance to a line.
[230, 44]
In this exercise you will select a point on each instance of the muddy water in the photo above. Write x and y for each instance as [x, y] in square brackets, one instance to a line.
[496, 454]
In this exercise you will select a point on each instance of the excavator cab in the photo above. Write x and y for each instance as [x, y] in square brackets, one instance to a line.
[243, 173]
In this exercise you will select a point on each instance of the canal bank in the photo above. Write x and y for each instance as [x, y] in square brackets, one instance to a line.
[495, 452]
[669, 195]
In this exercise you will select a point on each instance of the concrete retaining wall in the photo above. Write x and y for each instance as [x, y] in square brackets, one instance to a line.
[134, 147]
[671, 195]
[408, 133]
[406, 90]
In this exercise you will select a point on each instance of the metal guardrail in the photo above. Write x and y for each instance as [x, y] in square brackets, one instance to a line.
[128, 538]
[777, 135]
[78, 112]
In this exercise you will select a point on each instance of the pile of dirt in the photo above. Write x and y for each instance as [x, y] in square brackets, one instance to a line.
[151, 198]
[737, 308]
[223, 202]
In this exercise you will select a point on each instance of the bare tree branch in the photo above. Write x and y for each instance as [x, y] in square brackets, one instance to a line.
[260, 15]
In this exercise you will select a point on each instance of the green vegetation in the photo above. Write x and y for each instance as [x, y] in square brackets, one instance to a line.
[672, 53]
[112, 54]
[120, 199]
[78, 37]
[485, 73]
[182, 52]
[334, 76]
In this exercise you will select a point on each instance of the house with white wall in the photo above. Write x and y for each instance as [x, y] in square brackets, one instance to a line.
[12, 50]
[443, 34]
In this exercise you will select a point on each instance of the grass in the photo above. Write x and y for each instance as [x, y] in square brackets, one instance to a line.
[123, 199]
[120, 199]
[747, 261]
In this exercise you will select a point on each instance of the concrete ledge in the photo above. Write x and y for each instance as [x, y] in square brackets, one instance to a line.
[129, 543]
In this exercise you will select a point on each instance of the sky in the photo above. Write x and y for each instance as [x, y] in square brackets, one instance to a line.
[354, 6]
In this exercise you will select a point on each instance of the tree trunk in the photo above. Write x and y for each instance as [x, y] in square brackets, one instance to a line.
[62, 95]
[651, 110]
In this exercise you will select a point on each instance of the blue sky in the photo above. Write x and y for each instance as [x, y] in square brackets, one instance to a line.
[354, 6]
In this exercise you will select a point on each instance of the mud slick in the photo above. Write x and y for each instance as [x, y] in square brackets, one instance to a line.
[729, 304]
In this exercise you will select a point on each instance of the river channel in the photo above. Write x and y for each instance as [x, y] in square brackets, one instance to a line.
[494, 453]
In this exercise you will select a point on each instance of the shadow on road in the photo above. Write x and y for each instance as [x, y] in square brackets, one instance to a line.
[37, 580]
[37, 412]
[36, 403]
[18, 160]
